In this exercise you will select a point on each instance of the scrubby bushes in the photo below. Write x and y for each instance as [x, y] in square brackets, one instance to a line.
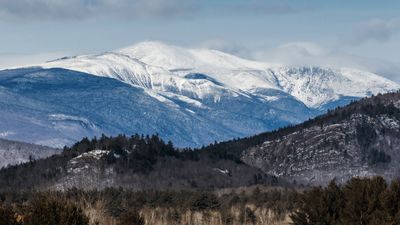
[127, 207]
[43, 210]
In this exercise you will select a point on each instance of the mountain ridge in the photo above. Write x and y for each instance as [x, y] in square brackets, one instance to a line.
[360, 139]
[190, 96]
[161, 66]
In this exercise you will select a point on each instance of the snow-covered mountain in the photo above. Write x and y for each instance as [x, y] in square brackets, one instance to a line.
[12, 152]
[189, 96]
[201, 73]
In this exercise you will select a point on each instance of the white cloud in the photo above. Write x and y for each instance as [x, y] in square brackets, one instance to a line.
[294, 53]
[310, 54]
[265, 7]
[227, 47]
[128, 9]
[376, 29]
[80, 9]
[8, 61]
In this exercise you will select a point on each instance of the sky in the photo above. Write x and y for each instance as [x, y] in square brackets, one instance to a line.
[363, 34]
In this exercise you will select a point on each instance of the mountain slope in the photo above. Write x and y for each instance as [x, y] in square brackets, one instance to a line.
[361, 139]
[57, 106]
[12, 152]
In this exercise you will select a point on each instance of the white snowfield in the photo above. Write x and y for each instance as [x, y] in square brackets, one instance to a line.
[192, 74]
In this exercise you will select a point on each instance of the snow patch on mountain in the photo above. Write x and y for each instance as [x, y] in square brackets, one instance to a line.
[68, 118]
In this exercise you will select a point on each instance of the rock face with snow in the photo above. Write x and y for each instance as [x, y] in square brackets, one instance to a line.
[12, 152]
[190, 96]
[361, 139]
[87, 171]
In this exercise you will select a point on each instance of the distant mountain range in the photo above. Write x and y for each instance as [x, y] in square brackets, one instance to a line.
[190, 96]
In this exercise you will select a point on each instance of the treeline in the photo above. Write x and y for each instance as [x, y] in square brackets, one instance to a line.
[367, 201]
[360, 201]
[125, 207]
[137, 153]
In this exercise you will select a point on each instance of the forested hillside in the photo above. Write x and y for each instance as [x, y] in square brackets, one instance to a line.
[138, 162]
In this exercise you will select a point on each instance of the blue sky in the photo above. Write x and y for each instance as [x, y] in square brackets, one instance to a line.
[357, 33]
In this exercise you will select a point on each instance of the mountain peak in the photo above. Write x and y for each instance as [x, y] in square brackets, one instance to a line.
[162, 67]
[174, 57]
[148, 45]
[159, 54]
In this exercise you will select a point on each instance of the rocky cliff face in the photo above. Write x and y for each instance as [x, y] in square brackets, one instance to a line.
[362, 139]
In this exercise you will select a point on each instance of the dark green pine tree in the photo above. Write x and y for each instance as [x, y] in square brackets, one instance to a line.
[320, 206]
[363, 204]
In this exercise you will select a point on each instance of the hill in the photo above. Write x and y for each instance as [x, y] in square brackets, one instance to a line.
[361, 139]
[136, 162]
